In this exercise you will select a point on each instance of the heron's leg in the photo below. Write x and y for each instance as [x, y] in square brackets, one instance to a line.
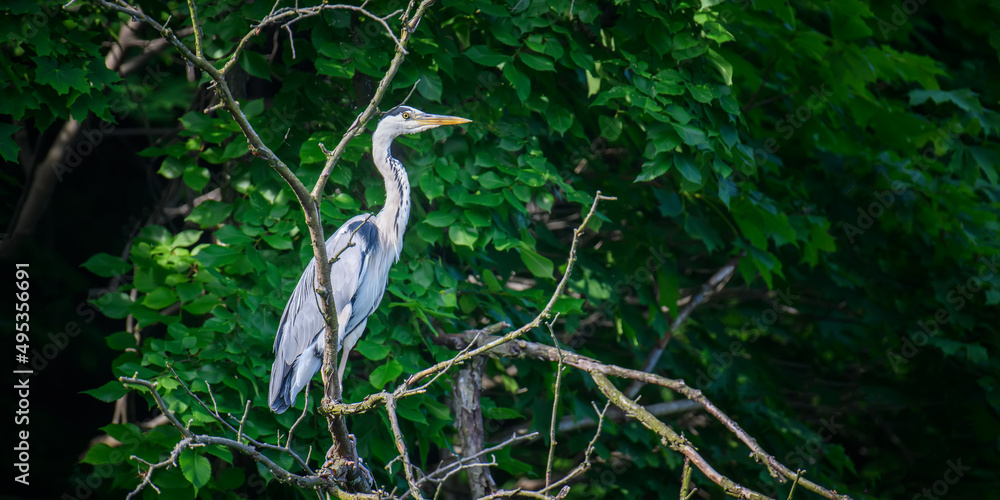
[349, 341]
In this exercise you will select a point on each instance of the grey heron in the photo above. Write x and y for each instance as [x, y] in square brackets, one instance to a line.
[358, 278]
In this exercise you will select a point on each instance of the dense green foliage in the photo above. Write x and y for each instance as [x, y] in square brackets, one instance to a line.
[847, 148]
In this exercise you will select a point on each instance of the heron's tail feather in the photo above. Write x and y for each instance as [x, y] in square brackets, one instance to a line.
[292, 379]
[281, 396]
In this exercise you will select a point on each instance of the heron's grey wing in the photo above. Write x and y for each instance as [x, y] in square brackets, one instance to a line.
[365, 297]
[298, 345]
[358, 283]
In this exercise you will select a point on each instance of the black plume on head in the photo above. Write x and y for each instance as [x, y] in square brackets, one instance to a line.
[398, 110]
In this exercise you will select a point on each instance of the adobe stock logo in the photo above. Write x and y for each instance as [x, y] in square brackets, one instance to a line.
[958, 297]
[876, 209]
[900, 15]
[940, 488]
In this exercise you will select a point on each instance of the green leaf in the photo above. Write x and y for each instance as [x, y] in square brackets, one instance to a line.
[101, 453]
[692, 136]
[653, 169]
[490, 279]
[230, 235]
[490, 180]
[186, 238]
[120, 341]
[721, 64]
[334, 69]
[196, 177]
[441, 219]
[484, 56]
[497, 413]
[539, 265]
[560, 120]
[463, 236]
[256, 65]
[717, 32]
[611, 127]
[8, 146]
[658, 38]
[215, 256]
[965, 99]
[109, 392]
[430, 86]
[202, 304]
[114, 305]
[409, 410]
[106, 265]
[685, 165]
[210, 213]
[537, 62]
[988, 161]
[567, 305]
[159, 298]
[372, 350]
[701, 93]
[517, 79]
[196, 468]
[545, 201]
[752, 225]
[61, 77]
[385, 373]
[278, 241]
[171, 168]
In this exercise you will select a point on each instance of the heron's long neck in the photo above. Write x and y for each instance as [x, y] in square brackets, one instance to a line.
[391, 220]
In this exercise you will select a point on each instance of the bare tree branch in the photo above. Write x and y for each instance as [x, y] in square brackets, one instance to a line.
[251, 449]
[469, 422]
[670, 438]
[532, 350]
[397, 434]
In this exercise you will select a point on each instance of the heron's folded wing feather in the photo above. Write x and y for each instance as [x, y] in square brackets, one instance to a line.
[353, 272]
[301, 320]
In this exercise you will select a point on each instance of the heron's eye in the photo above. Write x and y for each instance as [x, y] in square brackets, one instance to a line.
[406, 116]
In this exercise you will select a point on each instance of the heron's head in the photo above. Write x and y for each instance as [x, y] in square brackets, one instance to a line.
[406, 120]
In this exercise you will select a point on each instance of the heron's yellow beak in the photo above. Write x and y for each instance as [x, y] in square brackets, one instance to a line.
[438, 120]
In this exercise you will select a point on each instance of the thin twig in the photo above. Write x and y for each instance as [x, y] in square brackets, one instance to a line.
[239, 433]
[543, 315]
[288, 16]
[443, 481]
[587, 454]
[250, 449]
[555, 405]
[197, 29]
[798, 474]
[715, 283]
[686, 479]
[414, 87]
[215, 414]
[390, 406]
[305, 409]
[444, 469]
